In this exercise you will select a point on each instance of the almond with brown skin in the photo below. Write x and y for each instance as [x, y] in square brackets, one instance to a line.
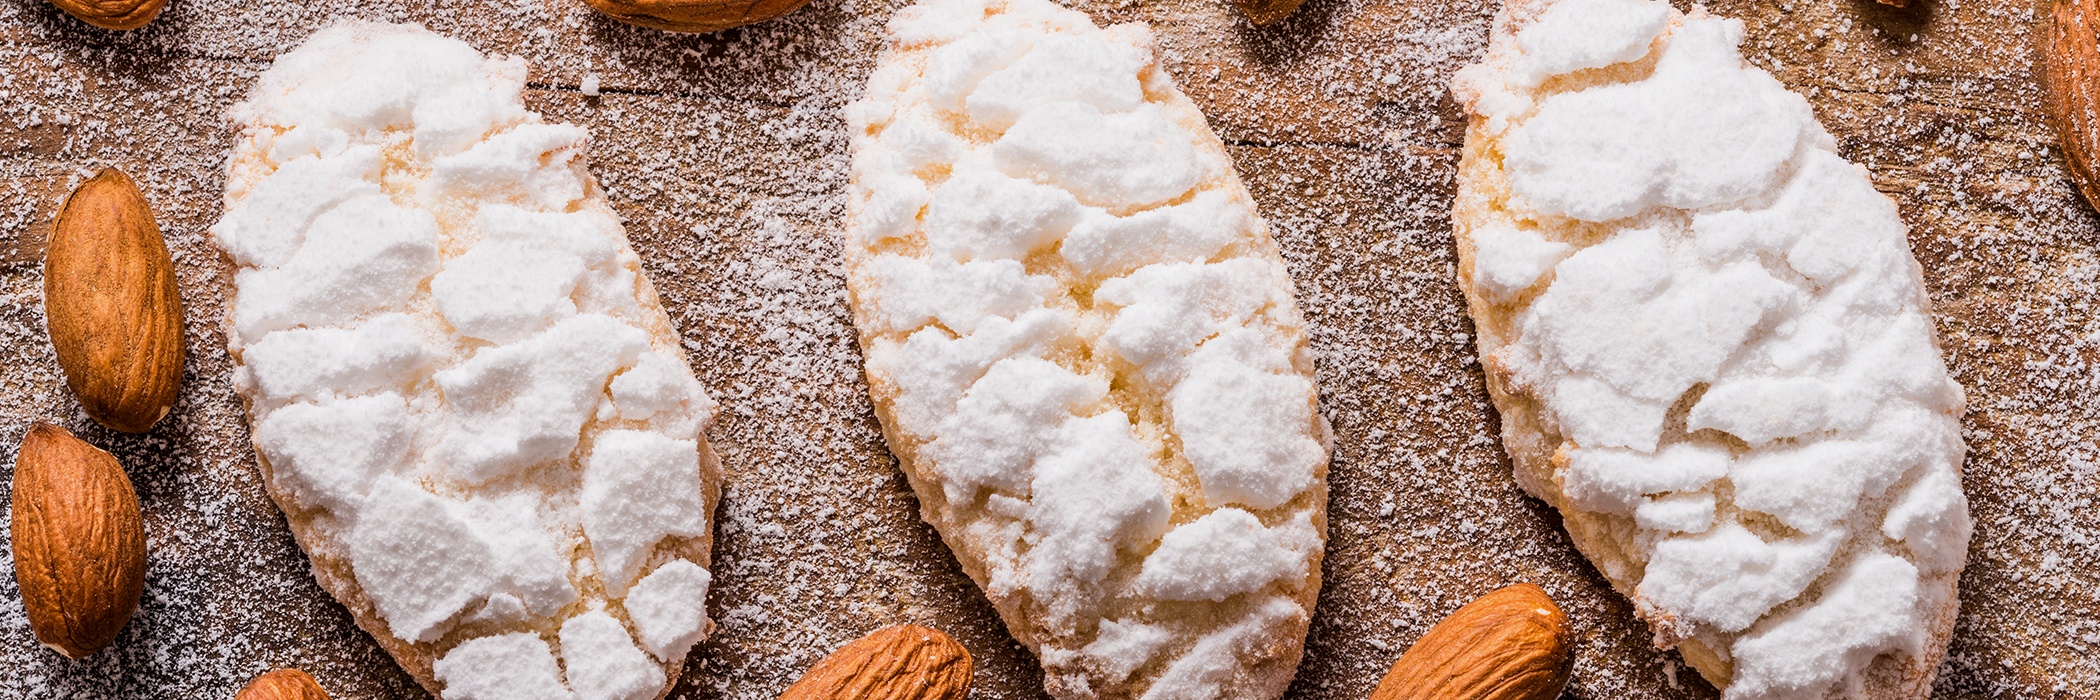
[110, 304]
[283, 684]
[696, 16]
[113, 14]
[1262, 12]
[2071, 89]
[80, 550]
[905, 662]
[1511, 644]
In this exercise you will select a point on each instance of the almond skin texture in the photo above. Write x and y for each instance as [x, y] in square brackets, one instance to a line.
[80, 550]
[905, 662]
[110, 304]
[2069, 90]
[694, 16]
[283, 684]
[113, 14]
[1511, 644]
[1262, 12]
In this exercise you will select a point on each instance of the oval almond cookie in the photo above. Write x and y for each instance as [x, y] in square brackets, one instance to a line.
[1084, 349]
[1711, 350]
[467, 400]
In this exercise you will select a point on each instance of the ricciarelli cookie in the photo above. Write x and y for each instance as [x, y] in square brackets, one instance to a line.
[1085, 352]
[1711, 350]
[467, 400]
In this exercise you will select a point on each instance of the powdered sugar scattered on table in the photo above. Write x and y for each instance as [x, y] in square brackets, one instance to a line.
[727, 154]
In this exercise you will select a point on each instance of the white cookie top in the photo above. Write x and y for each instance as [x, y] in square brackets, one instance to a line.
[1722, 318]
[454, 370]
[1080, 327]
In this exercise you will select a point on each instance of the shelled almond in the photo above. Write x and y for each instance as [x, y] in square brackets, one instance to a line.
[283, 684]
[905, 662]
[696, 16]
[79, 546]
[1511, 644]
[1262, 12]
[111, 306]
[2071, 88]
[113, 14]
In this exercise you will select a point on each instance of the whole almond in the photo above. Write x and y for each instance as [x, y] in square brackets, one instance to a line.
[905, 662]
[113, 14]
[110, 304]
[1262, 12]
[1511, 644]
[2070, 91]
[80, 550]
[283, 684]
[695, 16]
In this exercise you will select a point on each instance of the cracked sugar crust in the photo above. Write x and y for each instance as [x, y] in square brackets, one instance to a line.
[1085, 352]
[466, 397]
[1710, 348]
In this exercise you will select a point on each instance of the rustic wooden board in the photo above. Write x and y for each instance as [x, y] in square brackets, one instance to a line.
[727, 155]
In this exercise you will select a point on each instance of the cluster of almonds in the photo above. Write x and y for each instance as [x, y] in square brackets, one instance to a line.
[115, 322]
[116, 325]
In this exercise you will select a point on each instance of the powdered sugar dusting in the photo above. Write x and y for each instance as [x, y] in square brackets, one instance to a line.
[727, 155]
[1716, 259]
[1082, 344]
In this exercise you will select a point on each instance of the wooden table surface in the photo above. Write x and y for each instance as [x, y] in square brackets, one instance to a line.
[727, 154]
